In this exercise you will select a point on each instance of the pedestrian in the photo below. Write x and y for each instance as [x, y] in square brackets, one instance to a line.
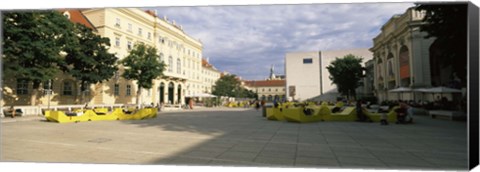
[358, 109]
[12, 111]
[190, 103]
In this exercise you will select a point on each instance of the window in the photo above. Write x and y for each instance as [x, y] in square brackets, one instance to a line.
[161, 57]
[117, 41]
[22, 86]
[140, 31]
[179, 66]
[45, 85]
[129, 90]
[129, 27]
[67, 88]
[117, 22]
[269, 89]
[129, 45]
[149, 36]
[170, 64]
[116, 89]
[307, 61]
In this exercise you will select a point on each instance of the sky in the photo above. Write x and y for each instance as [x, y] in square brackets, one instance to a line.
[247, 40]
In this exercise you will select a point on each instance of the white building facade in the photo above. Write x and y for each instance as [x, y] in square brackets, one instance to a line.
[307, 75]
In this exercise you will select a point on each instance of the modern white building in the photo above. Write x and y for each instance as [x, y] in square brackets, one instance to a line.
[307, 76]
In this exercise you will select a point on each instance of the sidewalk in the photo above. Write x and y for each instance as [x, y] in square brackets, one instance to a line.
[240, 137]
[22, 118]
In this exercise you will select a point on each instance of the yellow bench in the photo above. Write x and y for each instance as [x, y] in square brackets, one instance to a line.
[90, 115]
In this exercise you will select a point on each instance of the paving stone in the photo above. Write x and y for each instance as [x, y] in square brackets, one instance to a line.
[239, 137]
[277, 161]
[270, 153]
[238, 156]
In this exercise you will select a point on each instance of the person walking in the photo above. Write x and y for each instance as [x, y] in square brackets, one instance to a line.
[190, 103]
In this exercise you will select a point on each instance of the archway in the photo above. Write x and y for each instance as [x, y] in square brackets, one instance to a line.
[269, 98]
[161, 91]
[170, 92]
[404, 61]
[179, 93]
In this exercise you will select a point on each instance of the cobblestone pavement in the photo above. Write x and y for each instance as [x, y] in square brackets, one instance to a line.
[238, 137]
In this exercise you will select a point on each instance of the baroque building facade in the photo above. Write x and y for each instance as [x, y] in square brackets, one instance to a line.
[182, 54]
[402, 56]
[269, 89]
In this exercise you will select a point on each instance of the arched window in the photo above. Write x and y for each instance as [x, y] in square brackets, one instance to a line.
[170, 64]
[179, 66]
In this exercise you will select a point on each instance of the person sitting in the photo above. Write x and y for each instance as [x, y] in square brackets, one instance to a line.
[404, 113]
[12, 111]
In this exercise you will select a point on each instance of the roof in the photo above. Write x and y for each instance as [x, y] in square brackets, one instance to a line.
[207, 65]
[76, 16]
[266, 83]
[150, 12]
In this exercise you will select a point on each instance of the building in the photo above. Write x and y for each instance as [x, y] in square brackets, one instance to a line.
[269, 89]
[209, 76]
[125, 27]
[307, 76]
[402, 56]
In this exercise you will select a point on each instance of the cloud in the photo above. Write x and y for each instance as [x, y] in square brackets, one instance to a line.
[247, 40]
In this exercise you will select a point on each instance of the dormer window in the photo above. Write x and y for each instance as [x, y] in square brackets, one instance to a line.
[66, 14]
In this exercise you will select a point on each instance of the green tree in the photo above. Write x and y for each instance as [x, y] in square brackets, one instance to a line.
[33, 42]
[447, 22]
[89, 60]
[143, 65]
[227, 85]
[346, 73]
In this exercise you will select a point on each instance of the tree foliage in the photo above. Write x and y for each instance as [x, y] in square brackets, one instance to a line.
[89, 60]
[33, 42]
[346, 73]
[447, 22]
[228, 85]
[143, 65]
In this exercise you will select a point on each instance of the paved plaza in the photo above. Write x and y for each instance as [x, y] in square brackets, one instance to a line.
[239, 137]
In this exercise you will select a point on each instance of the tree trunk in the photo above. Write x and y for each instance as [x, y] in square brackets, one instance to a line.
[139, 95]
[33, 97]
[82, 91]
